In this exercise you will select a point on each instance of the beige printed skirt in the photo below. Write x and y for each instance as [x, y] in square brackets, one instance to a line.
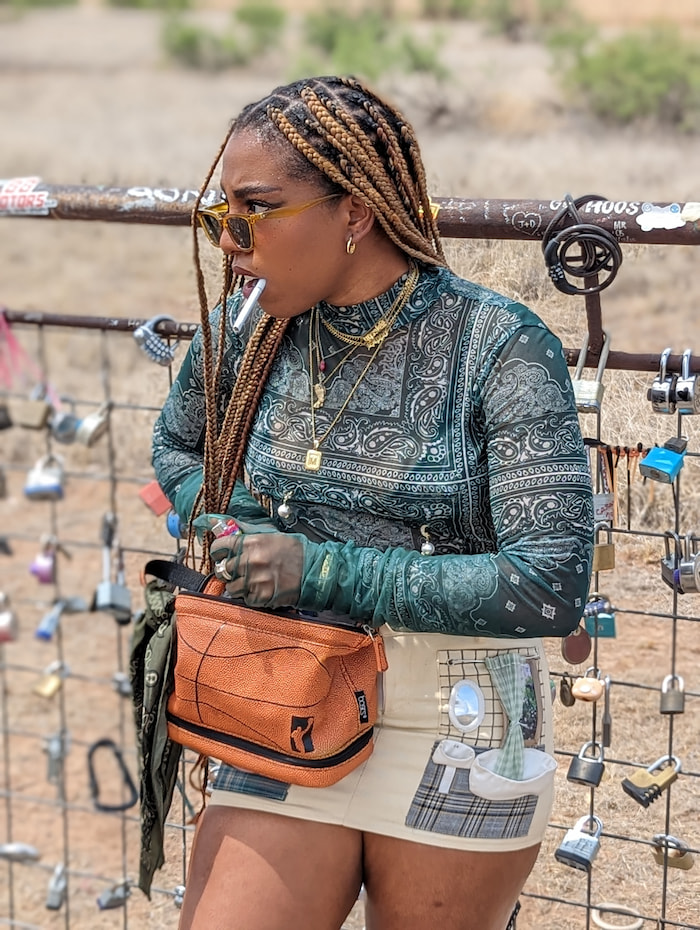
[462, 752]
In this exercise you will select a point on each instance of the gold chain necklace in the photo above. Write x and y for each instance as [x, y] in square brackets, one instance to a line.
[319, 387]
[314, 456]
[381, 329]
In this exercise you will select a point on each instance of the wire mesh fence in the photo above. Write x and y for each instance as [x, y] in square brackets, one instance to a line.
[69, 828]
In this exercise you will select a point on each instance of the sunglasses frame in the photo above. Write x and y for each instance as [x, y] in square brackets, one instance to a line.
[218, 213]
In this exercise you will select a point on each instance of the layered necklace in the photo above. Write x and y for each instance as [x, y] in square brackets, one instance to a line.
[373, 339]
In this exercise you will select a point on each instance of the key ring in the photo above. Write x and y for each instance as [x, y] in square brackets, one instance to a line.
[617, 909]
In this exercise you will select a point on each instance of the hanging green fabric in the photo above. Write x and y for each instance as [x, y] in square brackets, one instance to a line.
[506, 672]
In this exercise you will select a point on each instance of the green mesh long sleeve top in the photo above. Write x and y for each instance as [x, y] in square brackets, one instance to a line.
[463, 431]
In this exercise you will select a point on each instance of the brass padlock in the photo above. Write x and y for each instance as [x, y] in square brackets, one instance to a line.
[51, 680]
[588, 688]
[31, 412]
[669, 850]
[672, 695]
[588, 393]
[647, 784]
[603, 553]
[662, 393]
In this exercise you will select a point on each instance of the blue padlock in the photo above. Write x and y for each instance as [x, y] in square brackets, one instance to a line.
[599, 616]
[663, 463]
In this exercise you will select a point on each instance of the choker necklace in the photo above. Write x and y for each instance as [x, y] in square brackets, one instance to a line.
[381, 330]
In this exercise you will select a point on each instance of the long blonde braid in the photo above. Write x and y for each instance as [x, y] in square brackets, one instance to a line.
[340, 134]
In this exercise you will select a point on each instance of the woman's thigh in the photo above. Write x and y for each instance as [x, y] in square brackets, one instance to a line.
[253, 869]
[411, 886]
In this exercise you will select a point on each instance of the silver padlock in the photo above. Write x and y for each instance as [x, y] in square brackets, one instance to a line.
[662, 392]
[112, 597]
[687, 395]
[689, 567]
[672, 695]
[58, 885]
[588, 393]
[580, 846]
[585, 768]
[8, 620]
[671, 562]
[155, 347]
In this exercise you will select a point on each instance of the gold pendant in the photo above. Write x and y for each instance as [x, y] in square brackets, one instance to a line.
[320, 394]
[313, 460]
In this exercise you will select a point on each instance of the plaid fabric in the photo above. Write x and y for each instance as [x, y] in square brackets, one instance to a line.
[507, 675]
[229, 778]
[461, 813]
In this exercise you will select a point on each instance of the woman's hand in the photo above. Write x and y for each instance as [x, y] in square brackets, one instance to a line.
[264, 569]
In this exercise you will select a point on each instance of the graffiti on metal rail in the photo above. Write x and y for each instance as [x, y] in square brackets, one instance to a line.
[20, 197]
[150, 196]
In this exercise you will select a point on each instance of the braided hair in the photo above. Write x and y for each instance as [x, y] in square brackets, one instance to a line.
[341, 135]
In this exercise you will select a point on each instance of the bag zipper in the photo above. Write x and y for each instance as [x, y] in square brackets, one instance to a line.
[238, 742]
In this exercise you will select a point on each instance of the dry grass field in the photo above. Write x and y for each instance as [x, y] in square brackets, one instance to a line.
[87, 97]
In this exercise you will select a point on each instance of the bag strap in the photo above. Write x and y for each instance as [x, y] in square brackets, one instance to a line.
[177, 574]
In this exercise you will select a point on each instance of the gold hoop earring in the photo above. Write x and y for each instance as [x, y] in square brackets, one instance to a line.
[350, 246]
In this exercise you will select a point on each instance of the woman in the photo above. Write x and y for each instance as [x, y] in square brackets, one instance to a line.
[413, 460]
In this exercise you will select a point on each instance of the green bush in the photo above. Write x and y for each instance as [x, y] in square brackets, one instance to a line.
[30, 4]
[265, 22]
[196, 47]
[652, 75]
[368, 45]
[167, 5]
[450, 9]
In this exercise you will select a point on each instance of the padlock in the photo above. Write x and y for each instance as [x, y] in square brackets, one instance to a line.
[565, 695]
[663, 463]
[44, 481]
[115, 896]
[662, 392]
[51, 679]
[588, 688]
[63, 424]
[671, 561]
[155, 347]
[8, 620]
[112, 596]
[43, 565]
[31, 412]
[56, 892]
[19, 852]
[56, 748]
[93, 426]
[5, 418]
[579, 847]
[588, 393]
[646, 785]
[576, 647]
[587, 769]
[672, 695]
[603, 553]
[178, 895]
[49, 622]
[670, 851]
[687, 393]
[689, 567]
[606, 720]
[598, 615]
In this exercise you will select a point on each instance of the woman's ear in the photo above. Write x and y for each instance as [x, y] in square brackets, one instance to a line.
[360, 218]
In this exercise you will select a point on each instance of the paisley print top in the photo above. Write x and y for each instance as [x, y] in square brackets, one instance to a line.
[463, 428]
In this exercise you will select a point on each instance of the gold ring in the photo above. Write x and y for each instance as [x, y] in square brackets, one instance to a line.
[221, 571]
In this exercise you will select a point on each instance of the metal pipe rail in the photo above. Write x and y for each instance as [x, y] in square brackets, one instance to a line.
[630, 221]
[623, 361]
